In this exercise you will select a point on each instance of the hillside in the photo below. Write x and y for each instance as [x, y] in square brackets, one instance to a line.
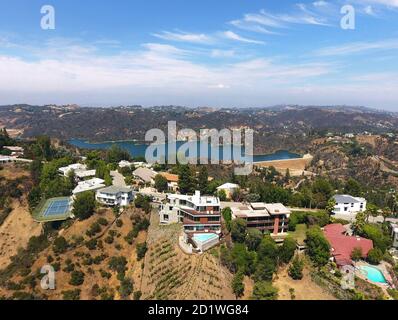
[273, 127]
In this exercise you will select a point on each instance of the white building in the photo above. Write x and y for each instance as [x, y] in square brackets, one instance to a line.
[80, 171]
[229, 189]
[115, 196]
[89, 185]
[349, 205]
[197, 213]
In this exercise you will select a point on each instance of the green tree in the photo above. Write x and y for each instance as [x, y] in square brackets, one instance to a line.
[126, 288]
[222, 195]
[253, 239]
[141, 250]
[203, 180]
[186, 180]
[330, 206]
[77, 278]
[60, 245]
[265, 269]
[287, 250]
[227, 216]
[238, 230]
[237, 285]
[116, 154]
[267, 249]
[161, 183]
[264, 290]
[318, 248]
[84, 205]
[356, 254]
[296, 269]
[375, 256]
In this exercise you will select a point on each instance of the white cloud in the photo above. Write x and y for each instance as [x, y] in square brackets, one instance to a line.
[183, 37]
[369, 10]
[233, 36]
[358, 47]
[320, 3]
[388, 3]
[266, 22]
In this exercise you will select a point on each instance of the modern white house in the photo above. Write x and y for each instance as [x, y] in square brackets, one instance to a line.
[349, 205]
[115, 196]
[200, 217]
[80, 171]
[229, 189]
[197, 213]
[89, 185]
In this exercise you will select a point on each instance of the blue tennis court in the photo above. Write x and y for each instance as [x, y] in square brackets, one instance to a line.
[55, 209]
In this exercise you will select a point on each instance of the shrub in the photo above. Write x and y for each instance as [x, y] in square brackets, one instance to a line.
[71, 294]
[77, 278]
[141, 250]
[264, 290]
[60, 245]
[296, 269]
[375, 256]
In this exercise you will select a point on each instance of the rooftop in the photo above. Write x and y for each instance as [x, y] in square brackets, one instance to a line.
[229, 186]
[170, 177]
[343, 246]
[197, 199]
[260, 209]
[145, 174]
[344, 198]
[115, 190]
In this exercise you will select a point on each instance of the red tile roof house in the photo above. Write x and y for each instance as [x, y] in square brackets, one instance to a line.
[343, 245]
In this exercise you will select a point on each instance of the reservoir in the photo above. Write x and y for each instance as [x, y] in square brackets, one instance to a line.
[137, 149]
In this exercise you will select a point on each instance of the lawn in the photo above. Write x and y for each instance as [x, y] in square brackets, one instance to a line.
[300, 234]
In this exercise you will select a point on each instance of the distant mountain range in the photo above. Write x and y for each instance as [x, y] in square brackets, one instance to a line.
[131, 122]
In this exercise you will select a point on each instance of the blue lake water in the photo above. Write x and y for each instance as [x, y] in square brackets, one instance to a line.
[137, 149]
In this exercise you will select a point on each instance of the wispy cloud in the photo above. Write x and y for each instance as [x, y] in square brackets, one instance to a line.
[358, 47]
[234, 36]
[183, 37]
[267, 22]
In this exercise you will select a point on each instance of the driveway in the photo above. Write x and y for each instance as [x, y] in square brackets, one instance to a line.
[118, 179]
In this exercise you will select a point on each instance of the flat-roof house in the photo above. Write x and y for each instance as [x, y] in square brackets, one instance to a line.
[197, 213]
[266, 217]
[229, 189]
[145, 175]
[89, 185]
[342, 245]
[15, 150]
[115, 196]
[349, 205]
[80, 171]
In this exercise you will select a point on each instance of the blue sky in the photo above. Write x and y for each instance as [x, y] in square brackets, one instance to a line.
[221, 53]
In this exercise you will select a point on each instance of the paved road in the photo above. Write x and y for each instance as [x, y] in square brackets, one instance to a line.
[118, 179]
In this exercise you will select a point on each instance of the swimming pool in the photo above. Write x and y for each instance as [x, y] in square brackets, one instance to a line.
[204, 237]
[373, 274]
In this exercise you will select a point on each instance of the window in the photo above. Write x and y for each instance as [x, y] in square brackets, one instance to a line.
[166, 217]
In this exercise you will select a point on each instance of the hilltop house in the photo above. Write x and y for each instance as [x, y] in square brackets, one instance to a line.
[89, 185]
[80, 171]
[349, 205]
[266, 217]
[229, 189]
[342, 245]
[197, 213]
[115, 196]
[201, 219]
